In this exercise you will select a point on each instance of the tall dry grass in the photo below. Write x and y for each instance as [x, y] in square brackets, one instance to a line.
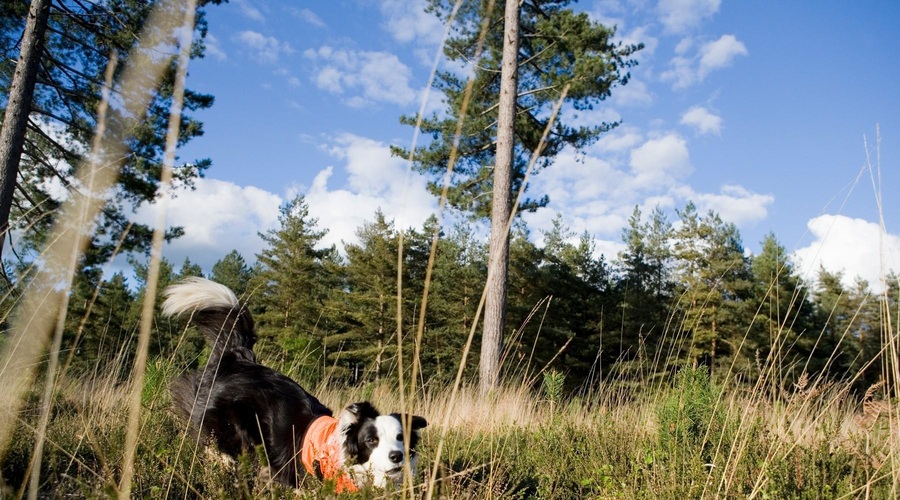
[692, 436]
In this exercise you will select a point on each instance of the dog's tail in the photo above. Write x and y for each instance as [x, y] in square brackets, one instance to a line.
[215, 310]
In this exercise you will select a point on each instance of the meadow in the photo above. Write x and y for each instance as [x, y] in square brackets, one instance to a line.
[667, 429]
[691, 436]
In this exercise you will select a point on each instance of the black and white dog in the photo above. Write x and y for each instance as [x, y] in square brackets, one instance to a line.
[239, 404]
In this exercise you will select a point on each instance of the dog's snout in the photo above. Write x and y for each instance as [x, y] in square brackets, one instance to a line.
[396, 456]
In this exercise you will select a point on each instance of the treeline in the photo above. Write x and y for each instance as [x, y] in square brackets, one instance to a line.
[674, 296]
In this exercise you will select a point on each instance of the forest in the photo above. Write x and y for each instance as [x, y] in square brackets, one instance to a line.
[683, 366]
[675, 297]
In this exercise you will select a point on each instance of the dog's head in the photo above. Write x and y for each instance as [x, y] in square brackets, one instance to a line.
[373, 447]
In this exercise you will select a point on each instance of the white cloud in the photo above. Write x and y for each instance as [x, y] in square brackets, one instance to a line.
[214, 48]
[719, 54]
[220, 216]
[852, 246]
[685, 71]
[620, 139]
[407, 21]
[577, 179]
[249, 11]
[608, 13]
[733, 203]
[703, 120]
[679, 16]
[308, 17]
[265, 49]
[597, 191]
[684, 45]
[642, 34]
[370, 76]
[375, 180]
[635, 93]
[681, 73]
[217, 217]
[660, 161]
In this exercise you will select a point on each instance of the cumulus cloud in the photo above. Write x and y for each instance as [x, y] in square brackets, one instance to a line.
[620, 139]
[214, 48]
[635, 93]
[375, 180]
[719, 54]
[685, 71]
[660, 161]
[733, 203]
[852, 246]
[249, 11]
[407, 21]
[597, 191]
[217, 217]
[704, 121]
[679, 16]
[307, 16]
[220, 216]
[265, 49]
[362, 77]
[608, 12]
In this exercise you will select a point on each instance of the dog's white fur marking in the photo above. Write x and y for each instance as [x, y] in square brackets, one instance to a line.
[196, 293]
[381, 469]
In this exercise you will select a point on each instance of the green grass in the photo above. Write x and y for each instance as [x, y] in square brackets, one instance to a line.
[693, 439]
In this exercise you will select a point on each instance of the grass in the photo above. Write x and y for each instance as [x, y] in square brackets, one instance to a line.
[693, 439]
[689, 437]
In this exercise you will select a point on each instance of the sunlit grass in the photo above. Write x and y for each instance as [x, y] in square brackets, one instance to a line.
[694, 438]
[687, 436]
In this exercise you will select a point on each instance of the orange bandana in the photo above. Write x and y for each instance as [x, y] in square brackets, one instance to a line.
[321, 453]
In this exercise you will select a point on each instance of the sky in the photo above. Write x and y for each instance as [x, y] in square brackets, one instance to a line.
[782, 117]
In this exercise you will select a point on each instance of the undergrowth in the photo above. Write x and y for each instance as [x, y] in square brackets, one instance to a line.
[693, 439]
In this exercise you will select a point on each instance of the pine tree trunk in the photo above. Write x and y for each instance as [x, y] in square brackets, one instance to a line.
[21, 91]
[498, 257]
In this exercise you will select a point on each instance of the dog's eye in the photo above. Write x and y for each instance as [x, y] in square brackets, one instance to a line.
[399, 437]
[372, 441]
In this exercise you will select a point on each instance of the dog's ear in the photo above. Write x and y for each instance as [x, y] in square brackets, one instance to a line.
[349, 425]
[355, 413]
[418, 422]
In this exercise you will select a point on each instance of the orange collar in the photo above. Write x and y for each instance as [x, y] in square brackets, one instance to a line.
[321, 453]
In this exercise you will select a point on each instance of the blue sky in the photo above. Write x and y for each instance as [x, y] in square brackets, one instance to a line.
[757, 110]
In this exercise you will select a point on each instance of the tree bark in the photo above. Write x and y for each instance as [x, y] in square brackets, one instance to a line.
[501, 208]
[21, 92]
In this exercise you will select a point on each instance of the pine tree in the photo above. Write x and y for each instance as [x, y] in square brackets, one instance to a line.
[189, 270]
[293, 284]
[18, 107]
[866, 331]
[369, 307]
[527, 61]
[527, 291]
[79, 40]
[168, 342]
[646, 285]
[785, 324]
[578, 287]
[836, 308]
[457, 284]
[716, 282]
[233, 272]
[99, 329]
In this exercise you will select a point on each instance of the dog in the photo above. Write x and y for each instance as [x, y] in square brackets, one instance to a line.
[237, 404]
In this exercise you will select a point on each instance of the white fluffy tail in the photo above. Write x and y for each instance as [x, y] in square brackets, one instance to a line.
[197, 294]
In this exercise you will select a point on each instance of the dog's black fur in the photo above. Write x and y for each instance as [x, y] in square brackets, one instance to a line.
[238, 404]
